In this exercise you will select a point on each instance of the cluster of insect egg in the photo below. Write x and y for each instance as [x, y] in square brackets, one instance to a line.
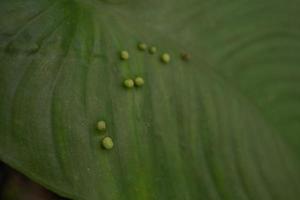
[107, 141]
[138, 81]
[130, 83]
[164, 57]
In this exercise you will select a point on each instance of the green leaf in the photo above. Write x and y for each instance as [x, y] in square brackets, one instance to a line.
[223, 125]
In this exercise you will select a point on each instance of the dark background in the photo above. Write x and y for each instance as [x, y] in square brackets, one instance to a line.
[15, 186]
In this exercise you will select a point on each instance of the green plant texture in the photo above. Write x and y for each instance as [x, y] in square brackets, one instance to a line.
[216, 119]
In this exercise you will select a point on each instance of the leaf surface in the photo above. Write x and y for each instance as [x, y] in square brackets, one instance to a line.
[222, 126]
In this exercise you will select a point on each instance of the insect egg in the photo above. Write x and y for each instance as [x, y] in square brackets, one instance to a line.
[107, 143]
[101, 125]
[128, 83]
[142, 46]
[152, 50]
[185, 56]
[124, 55]
[165, 58]
[139, 81]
